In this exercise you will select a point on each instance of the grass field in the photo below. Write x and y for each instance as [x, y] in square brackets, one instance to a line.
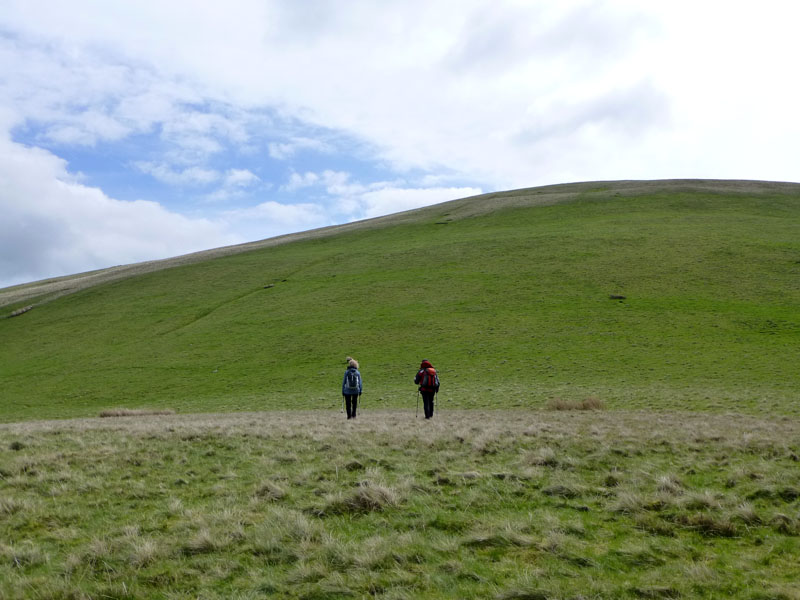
[496, 504]
[627, 351]
[509, 295]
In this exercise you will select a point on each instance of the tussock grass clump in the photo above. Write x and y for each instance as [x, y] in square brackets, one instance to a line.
[501, 537]
[702, 500]
[10, 506]
[525, 594]
[785, 524]
[656, 592]
[22, 555]
[590, 403]
[283, 536]
[563, 490]
[355, 465]
[202, 542]
[306, 572]
[135, 412]
[543, 457]
[446, 521]
[747, 514]
[270, 491]
[96, 556]
[654, 525]
[709, 525]
[631, 503]
[272, 546]
[670, 484]
[367, 498]
[144, 551]
[640, 555]
[468, 475]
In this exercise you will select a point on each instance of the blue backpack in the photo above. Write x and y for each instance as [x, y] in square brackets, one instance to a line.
[352, 382]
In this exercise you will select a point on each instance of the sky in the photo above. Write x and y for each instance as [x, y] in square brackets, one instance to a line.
[133, 131]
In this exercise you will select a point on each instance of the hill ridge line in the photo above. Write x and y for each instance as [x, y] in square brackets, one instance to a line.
[50, 289]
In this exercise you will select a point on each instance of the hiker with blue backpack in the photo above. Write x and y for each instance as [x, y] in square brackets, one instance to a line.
[351, 387]
[428, 381]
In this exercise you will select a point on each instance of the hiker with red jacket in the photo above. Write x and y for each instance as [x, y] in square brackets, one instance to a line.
[428, 382]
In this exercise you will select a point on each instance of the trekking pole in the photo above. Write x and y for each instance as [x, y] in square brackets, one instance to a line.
[416, 414]
[342, 411]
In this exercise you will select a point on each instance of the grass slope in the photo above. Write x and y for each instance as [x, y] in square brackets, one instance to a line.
[507, 294]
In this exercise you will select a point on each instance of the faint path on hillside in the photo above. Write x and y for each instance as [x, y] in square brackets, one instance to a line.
[40, 292]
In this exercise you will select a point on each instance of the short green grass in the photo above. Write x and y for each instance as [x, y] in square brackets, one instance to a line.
[474, 504]
[512, 305]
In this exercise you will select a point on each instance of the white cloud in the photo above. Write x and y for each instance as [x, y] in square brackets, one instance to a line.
[286, 150]
[430, 85]
[299, 181]
[272, 218]
[334, 183]
[53, 225]
[237, 184]
[389, 200]
[357, 200]
[192, 176]
[448, 85]
[438, 98]
[196, 135]
[87, 128]
[339, 183]
[240, 178]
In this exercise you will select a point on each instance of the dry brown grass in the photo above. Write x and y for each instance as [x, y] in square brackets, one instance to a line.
[270, 491]
[590, 403]
[368, 497]
[617, 432]
[312, 505]
[21, 311]
[129, 412]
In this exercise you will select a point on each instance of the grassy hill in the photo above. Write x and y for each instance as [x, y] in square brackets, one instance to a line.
[509, 295]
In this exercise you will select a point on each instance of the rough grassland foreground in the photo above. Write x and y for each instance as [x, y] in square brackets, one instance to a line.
[471, 505]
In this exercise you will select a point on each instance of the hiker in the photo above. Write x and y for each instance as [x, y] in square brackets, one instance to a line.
[428, 382]
[351, 387]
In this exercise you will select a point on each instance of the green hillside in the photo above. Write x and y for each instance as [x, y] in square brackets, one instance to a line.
[509, 295]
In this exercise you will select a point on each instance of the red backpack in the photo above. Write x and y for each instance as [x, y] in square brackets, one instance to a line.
[430, 380]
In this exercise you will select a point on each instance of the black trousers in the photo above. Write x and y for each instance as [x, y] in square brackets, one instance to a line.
[351, 402]
[427, 403]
